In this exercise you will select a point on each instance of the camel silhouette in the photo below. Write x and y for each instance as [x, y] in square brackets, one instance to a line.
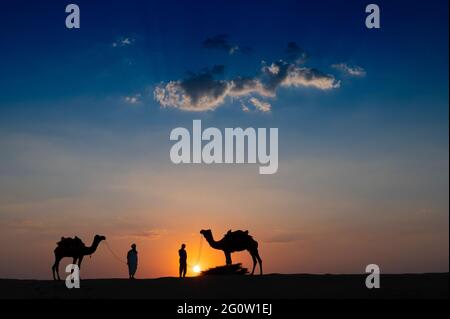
[235, 241]
[75, 248]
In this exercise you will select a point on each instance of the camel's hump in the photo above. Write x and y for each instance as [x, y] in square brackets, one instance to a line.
[68, 241]
[237, 234]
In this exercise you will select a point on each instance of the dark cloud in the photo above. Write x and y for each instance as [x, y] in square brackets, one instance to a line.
[220, 42]
[217, 42]
[294, 53]
[199, 86]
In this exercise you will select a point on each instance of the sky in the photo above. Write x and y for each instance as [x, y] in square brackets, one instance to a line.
[362, 114]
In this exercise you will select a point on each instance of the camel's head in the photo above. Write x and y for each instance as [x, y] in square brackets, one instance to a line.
[206, 233]
[99, 238]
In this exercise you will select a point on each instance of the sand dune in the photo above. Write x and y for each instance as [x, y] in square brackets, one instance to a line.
[274, 286]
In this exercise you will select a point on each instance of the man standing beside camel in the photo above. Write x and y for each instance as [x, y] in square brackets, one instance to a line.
[132, 261]
[183, 261]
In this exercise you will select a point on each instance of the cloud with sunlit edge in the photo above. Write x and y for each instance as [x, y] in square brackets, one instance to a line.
[203, 91]
[352, 70]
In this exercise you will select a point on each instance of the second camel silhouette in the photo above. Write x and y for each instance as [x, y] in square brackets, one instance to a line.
[235, 241]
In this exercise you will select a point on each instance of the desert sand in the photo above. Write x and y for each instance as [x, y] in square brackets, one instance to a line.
[273, 286]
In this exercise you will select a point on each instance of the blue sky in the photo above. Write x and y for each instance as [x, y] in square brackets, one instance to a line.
[47, 69]
[78, 114]
[44, 63]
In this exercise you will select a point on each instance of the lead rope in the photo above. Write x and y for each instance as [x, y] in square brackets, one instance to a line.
[200, 247]
[114, 255]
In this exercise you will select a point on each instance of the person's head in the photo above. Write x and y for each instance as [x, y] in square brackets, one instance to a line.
[183, 246]
[133, 246]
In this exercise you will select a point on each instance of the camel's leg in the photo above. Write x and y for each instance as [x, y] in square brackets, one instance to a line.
[53, 271]
[80, 259]
[260, 262]
[228, 258]
[55, 267]
[254, 262]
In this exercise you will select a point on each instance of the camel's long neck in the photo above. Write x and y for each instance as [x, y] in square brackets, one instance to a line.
[214, 244]
[90, 250]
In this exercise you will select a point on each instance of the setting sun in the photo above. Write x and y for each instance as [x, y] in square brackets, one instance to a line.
[196, 269]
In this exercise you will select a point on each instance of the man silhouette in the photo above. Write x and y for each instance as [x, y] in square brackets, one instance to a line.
[183, 258]
[132, 261]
